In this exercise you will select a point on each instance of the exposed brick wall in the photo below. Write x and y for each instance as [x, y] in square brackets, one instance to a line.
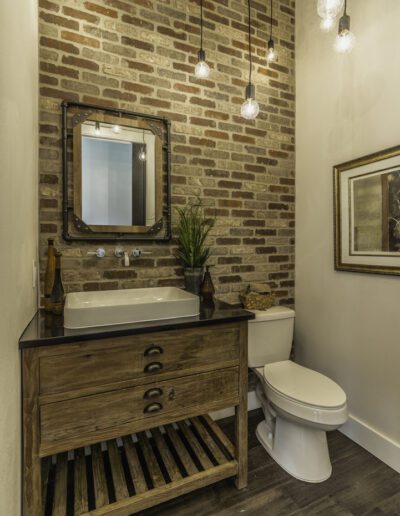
[140, 55]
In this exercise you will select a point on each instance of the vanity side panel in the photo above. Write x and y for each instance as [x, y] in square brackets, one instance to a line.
[32, 502]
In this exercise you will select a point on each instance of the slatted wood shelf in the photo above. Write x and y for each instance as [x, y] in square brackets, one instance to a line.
[125, 475]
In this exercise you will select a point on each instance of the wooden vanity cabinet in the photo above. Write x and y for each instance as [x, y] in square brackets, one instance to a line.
[136, 406]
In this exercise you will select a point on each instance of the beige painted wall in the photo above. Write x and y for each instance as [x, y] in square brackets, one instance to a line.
[18, 223]
[347, 325]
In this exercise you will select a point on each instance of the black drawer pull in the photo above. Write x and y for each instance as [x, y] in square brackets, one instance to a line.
[153, 350]
[153, 367]
[152, 393]
[154, 407]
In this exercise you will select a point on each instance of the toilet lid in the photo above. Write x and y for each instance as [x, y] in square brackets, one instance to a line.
[304, 385]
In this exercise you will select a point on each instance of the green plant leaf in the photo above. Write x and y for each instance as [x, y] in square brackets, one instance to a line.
[192, 232]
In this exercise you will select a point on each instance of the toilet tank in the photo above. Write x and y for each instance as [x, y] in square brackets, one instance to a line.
[270, 335]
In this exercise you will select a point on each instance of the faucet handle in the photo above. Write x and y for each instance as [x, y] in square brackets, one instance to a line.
[100, 253]
[137, 253]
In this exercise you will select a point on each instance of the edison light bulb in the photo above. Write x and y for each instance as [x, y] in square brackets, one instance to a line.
[272, 54]
[97, 129]
[327, 24]
[142, 155]
[250, 109]
[202, 70]
[329, 8]
[345, 42]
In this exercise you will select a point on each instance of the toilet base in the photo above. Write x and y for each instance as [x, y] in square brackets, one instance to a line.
[301, 451]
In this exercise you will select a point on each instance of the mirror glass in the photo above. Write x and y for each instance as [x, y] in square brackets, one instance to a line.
[118, 175]
[375, 213]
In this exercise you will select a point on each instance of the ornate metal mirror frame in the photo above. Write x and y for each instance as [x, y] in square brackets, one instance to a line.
[74, 228]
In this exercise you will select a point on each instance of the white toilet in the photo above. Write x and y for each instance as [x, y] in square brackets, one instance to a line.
[300, 405]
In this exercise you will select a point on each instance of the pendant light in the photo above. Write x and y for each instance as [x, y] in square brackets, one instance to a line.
[142, 152]
[345, 40]
[202, 70]
[328, 10]
[97, 130]
[272, 55]
[250, 108]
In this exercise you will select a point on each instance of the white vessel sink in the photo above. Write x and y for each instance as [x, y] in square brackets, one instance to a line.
[89, 309]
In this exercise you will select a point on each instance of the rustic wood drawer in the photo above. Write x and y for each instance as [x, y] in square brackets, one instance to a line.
[152, 404]
[138, 357]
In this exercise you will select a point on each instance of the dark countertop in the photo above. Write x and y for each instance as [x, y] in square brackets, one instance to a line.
[46, 329]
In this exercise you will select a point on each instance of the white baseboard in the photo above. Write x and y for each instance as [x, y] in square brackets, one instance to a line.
[252, 403]
[380, 445]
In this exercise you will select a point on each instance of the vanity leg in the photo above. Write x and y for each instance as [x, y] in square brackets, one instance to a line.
[32, 498]
[241, 445]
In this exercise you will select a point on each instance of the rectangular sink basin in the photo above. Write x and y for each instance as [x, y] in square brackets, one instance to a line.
[109, 307]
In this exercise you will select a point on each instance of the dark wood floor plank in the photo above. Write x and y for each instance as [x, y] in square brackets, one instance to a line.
[388, 507]
[354, 488]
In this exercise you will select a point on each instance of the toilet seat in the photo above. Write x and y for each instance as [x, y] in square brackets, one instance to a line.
[304, 393]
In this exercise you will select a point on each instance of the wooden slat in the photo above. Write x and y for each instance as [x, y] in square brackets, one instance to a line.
[196, 446]
[45, 470]
[99, 477]
[208, 440]
[162, 494]
[241, 438]
[220, 434]
[120, 488]
[60, 487]
[166, 455]
[135, 468]
[182, 452]
[80, 484]
[151, 461]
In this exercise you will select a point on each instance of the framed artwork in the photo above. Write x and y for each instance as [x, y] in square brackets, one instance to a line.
[367, 213]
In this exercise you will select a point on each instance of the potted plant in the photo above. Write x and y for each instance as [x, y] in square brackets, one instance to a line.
[192, 231]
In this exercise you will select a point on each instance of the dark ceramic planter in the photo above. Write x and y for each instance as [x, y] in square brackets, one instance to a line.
[193, 279]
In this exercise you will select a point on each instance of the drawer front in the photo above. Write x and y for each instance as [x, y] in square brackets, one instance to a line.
[158, 403]
[153, 356]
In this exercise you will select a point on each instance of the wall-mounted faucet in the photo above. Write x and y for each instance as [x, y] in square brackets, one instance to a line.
[100, 253]
[137, 253]
[120, 253]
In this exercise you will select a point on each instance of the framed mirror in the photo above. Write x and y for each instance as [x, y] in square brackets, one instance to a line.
[116, 174]
[367, 213]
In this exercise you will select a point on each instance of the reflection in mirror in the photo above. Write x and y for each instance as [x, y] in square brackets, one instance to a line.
[375, 211]
[118, 175]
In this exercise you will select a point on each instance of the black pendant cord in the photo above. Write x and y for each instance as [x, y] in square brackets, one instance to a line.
[201, 24]
[249, 24]
[270, 31]
[345, 7]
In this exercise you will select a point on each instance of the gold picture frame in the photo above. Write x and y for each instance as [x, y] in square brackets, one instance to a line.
[372, 255]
